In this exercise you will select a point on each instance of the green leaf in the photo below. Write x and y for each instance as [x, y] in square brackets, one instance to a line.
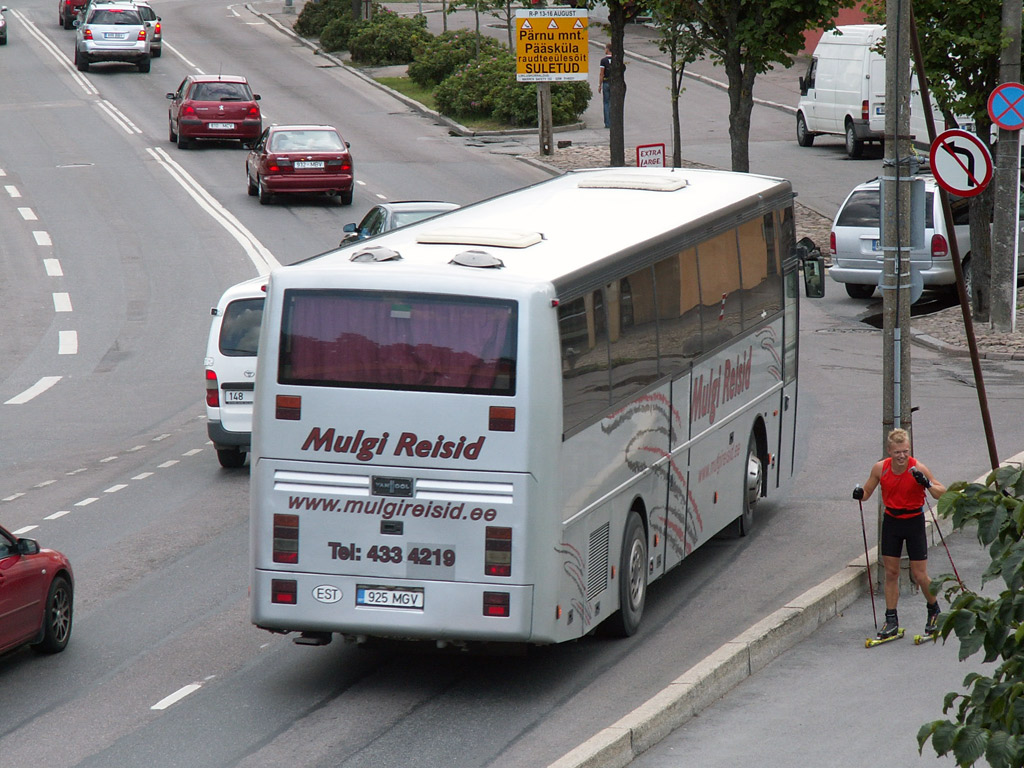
[997, 752]
[943, 735]
[969, 744]
[971, 644]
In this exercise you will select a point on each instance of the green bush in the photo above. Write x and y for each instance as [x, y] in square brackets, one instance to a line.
[445, 53]
[336, 35]
[388, 38]
[314, 16]
[488, 89]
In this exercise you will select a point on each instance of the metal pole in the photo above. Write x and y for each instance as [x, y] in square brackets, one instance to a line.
[947, 214]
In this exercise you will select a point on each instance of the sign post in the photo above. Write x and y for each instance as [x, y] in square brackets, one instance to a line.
[552, 46]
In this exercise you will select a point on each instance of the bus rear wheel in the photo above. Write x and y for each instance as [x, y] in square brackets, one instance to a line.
[632, 579]
[753, 478]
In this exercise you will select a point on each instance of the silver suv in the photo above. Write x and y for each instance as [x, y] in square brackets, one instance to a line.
[112, 32]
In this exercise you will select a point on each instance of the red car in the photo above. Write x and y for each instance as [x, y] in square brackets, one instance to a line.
[36, 595]
[67, 12]
[300, 159]
[214, 107]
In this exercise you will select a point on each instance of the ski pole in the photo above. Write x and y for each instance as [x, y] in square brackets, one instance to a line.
[867, 562]
[943, 538]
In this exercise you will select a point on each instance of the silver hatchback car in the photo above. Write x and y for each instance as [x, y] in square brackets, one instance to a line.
[112, 32]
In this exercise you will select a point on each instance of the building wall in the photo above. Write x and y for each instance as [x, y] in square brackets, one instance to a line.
[846, 16]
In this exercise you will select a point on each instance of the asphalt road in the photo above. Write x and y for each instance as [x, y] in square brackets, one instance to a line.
[111, 463]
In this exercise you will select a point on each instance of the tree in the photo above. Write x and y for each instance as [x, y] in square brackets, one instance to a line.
[619, 12]
[747, 37]
[989, 718]
[682, 49]
[961, 44]
[503, 10]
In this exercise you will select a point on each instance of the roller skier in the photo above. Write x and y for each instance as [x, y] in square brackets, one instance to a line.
[904, 481]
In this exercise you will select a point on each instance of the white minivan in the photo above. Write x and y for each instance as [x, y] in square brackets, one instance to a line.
[231, 369]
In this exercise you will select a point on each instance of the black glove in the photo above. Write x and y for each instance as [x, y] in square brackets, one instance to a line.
[923, 481]
[858, 492]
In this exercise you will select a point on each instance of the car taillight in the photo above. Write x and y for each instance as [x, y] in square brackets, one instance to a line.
[87, 34]
[284, 591]
[142, 34]
[865, 113]
[496, 604]
[832, 243]
[940, 248]
[188, 111]
[275, 163]
[212, 393]
[498, 551]
[342, 164]
[156, 28]
[254, 112]
[286, 539]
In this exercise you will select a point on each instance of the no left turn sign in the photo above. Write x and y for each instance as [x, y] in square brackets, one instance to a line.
[960, 163]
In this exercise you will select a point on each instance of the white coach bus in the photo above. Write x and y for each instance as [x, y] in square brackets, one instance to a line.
[504, 423]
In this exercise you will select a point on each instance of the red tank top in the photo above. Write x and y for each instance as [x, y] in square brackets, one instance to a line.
[901, 493]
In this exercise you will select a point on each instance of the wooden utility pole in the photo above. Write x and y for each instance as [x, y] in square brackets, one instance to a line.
[1002, 312]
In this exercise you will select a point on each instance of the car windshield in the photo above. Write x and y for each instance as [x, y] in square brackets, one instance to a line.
[401, 218]
[221, 92]
[115, 16]
[306, 141]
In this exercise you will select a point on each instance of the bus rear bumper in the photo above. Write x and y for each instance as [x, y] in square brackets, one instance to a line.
[452, 611]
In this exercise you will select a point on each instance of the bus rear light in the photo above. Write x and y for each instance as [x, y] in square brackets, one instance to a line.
[212, 395]
[289, 407]
[496, 604]
[502, 419]
[286, 539]
[498, 551]
[284, 591]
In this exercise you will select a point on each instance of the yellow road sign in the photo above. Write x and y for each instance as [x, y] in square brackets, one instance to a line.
[552, 44]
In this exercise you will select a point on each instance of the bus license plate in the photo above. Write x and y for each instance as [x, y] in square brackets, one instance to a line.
[389, 597]
[237, 396]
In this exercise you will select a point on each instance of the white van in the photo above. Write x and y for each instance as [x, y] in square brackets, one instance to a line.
[836, 94]
[231, 369]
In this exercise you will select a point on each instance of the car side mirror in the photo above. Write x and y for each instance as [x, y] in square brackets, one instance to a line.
[28, 547]
[349, 228]
[170, 95]
[256, 97]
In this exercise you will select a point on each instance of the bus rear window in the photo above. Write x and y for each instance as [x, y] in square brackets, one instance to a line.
[401, 341]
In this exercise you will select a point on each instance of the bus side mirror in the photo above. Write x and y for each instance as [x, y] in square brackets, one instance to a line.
[813, 265]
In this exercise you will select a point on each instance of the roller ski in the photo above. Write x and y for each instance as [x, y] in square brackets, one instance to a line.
[890, 631]
[931, 627]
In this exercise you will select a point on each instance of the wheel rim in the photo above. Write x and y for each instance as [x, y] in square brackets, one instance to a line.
[637, 564]
[60, 615]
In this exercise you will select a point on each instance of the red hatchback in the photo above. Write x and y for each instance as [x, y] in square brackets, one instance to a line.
[300, 159]
[213, 107]
[36, 595]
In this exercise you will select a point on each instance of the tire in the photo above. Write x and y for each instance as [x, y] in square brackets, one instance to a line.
[803, 137]
[155, 52]
[854, 146]
[231, 458]
[632, 579]
[265, 195]
[58, 617]
[965, 268]
[183, 143]
[67, 22]
[858, 291]
[346, 197]
[171, 135]
[251, 187]
[753, 481]
[144, 65]
[80, 62]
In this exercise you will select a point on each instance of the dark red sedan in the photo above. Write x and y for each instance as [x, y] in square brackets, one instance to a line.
[36, 595]
[214, 107]
[300, 159]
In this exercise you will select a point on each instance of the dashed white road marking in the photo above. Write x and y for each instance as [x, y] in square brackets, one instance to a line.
[53, 268]
[116, 488]
[62, 302]
[28, 214]
[12, 497]
[86, 502]
[67, 343]
[55, 515]
[26, 529]
[42, 237]
[177, 696]
[12, 190]
[193, 452]
[167, 464]
[143, 476]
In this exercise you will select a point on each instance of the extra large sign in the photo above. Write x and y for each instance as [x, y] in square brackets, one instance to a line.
[552, 45]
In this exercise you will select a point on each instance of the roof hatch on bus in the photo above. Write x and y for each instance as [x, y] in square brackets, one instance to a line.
[499, 238]
[375, 253]
[670, 182]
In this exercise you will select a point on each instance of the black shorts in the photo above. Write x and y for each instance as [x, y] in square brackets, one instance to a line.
[896, 530]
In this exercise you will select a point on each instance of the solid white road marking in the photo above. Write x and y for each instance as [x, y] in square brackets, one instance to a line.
[36, 389]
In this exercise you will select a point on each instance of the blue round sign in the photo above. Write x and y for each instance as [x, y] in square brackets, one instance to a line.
[1006, 106]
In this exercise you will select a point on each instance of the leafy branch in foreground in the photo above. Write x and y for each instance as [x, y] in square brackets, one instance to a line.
[989, 719]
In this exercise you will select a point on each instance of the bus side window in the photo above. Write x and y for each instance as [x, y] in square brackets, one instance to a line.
[633, 325]
[762, 289]
[721, 300]
[679, 334]
[582, 329]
